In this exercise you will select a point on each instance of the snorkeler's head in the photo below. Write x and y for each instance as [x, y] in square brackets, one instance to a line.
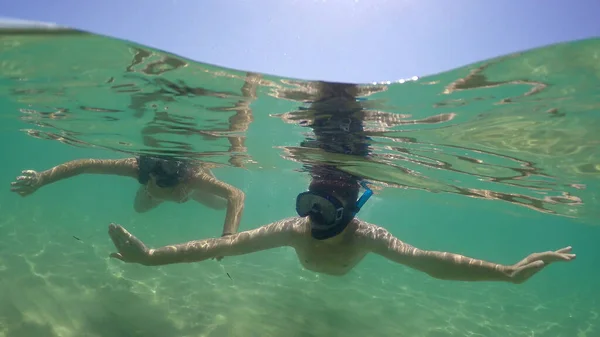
[167, 172]
[331, 204]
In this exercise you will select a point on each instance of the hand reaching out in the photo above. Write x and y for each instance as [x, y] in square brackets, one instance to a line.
[27, 183]
[130, 249]
[535, 262]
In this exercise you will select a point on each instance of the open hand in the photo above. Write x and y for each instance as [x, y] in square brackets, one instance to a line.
[130, 249]
[535, 262]
[27, 183]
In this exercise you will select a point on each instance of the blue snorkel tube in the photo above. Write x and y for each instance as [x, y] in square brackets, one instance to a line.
[364, 198]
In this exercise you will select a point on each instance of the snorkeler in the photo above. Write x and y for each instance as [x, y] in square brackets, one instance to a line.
[161, 179]
[326, 235]
[329, 239]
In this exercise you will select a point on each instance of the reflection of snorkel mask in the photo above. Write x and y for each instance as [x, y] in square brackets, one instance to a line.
[327, 213]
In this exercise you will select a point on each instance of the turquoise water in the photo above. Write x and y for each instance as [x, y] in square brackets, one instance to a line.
[494, 165]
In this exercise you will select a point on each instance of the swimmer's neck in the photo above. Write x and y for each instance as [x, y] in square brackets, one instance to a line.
[338, 238]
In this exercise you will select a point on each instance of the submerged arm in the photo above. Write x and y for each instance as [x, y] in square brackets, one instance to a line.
[131, 249]
[235, 199]
[122, 167]
[441, 265]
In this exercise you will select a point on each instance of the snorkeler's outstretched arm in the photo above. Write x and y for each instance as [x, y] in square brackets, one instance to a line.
[131, 249]
[449, 266]
[234, 196]
[31, 180]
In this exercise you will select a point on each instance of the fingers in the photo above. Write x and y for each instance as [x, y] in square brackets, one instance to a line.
[537, 261]
[21, 181]
[129, 248]
[564, 250]
[565, 257]
[564, 254]
[115, 235]
[120, 237]
[117, 256]
[118, 230]
[21, 190]
[19, 187]
[27, 177]
[122, 231]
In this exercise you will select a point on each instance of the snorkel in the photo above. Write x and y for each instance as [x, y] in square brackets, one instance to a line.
[363, 198]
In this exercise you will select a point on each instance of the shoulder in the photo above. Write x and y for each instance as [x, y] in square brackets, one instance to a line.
[292, 230]
[286, 232]
[125, 166]
[288, 225]
[294, 225]
[200, 172]
[130, 162]
[370, 234]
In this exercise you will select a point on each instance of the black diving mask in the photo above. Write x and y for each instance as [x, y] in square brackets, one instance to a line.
[327, 212]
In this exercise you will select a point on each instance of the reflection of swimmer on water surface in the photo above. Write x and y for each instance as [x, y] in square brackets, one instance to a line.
[399, 150]
[326, 235]
[367, 112]
[167, 123]
[161, 179]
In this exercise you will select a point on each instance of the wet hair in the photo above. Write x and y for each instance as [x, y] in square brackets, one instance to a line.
[168, 171]
[331, 180]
